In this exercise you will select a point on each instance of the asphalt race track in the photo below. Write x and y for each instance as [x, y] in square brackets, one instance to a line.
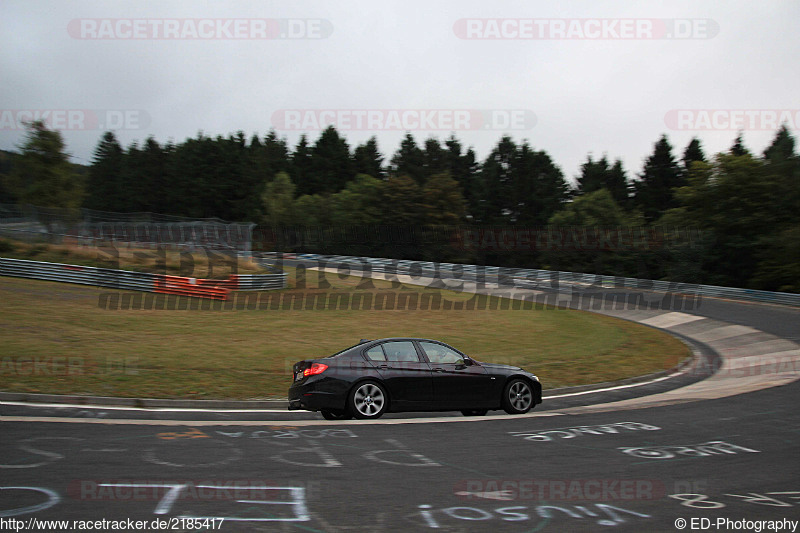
[714, 448]
[637, 470]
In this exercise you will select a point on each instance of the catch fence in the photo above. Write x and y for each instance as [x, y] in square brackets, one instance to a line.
[88, 227]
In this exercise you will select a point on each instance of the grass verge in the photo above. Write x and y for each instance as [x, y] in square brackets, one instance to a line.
[55, 338]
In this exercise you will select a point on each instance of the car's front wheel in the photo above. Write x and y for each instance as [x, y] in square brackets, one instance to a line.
[368, 400]
[517, 397]
[336, 415]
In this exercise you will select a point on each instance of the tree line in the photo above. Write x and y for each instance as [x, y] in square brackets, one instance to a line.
[743, 209]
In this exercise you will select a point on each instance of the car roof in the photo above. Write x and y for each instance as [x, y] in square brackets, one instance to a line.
[421, 339]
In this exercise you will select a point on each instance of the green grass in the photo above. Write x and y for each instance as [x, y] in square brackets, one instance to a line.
[54, 338]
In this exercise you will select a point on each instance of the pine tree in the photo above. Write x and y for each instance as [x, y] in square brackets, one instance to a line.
[596, 175]
[783, 167]
[188, 169]
[694, 152]
[661, 175]
[618, 185]
[496, 184]
[539, 189]
[464, 168]
[331, 164]
[152, 188]
[409, 160]
[104, 185]
[241, 185]
[593, 175]
[300, 164]
[779, 256]
[782, 147]
[368, 160]
[276, 153]
[6, 164]
[434, 158]
[738, 148]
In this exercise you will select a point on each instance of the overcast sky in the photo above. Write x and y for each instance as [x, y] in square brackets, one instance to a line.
[570, 77]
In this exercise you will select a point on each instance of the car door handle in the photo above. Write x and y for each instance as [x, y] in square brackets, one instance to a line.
[438, 369]
[384, 367]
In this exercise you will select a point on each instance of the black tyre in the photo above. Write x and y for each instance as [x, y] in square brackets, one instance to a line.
[517, 397]
[368, 400]
[474, 412]
[336, 415]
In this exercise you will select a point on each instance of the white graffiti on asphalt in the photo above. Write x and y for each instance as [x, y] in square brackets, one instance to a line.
[603, 514]
[704, 449]
[290, 433]
[548, 435]
[293, 506]
[27, 445]
[52, 499]
[315, 455]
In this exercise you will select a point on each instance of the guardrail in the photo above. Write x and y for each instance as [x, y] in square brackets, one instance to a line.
[217, 289]
[545, 279]
[258, 282]
[84, 275]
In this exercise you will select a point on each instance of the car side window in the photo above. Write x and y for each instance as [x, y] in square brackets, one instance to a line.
[400, 351]
[440, 354]
[376, 354]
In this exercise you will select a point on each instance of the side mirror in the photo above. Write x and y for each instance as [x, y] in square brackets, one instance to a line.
[468, 361]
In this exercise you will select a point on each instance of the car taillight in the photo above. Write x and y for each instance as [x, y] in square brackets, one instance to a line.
[316, 368]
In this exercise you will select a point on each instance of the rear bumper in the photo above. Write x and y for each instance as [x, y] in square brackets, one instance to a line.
[309, 397]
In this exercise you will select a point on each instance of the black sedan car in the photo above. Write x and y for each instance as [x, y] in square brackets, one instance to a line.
[408, 374]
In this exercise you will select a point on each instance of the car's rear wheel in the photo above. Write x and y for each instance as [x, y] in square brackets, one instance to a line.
[336, 415]
[368, 400]
[474, 412]
[517, 397]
